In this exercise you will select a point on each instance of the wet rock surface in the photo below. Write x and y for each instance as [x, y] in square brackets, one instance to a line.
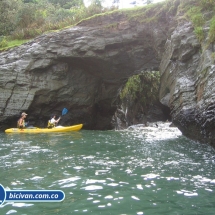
[187, 77]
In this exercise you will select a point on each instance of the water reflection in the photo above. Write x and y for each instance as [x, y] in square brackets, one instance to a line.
[110, 172]
[25, 137]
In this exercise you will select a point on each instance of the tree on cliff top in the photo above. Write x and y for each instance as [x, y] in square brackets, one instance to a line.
[23, 19]
[67, 4]
[8, 10]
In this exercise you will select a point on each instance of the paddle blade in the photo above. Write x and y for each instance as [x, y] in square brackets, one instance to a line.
[64, 111]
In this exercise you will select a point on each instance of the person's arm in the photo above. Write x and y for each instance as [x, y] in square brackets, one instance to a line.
[58, 120]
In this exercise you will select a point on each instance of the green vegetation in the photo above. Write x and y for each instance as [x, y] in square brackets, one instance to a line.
[26, 19]
[146, 14]
[142, 88]
[3, 42]
[212, 30]
[196, 17]
[198, 12]
[199, 33]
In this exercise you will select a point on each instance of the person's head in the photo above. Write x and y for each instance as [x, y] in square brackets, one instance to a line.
[23, 115]
[53, 116]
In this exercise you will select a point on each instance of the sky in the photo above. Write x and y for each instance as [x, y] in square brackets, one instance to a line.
[124, 3]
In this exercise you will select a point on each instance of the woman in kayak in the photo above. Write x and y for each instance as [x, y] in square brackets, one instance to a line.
[21, 122]
[53, 122]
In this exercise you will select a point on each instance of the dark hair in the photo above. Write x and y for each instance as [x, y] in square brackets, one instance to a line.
[52, 115]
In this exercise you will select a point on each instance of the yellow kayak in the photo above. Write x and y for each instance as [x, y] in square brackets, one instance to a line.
[45, 130]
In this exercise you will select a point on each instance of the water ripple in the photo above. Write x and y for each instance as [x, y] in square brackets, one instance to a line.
[108, 172]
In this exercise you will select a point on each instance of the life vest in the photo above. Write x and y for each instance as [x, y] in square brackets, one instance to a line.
[50, 125]
[22, 125]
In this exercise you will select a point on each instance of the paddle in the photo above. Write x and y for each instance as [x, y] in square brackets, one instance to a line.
[64, 111]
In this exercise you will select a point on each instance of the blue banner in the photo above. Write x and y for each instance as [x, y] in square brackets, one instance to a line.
[30, 195]
[2, 194]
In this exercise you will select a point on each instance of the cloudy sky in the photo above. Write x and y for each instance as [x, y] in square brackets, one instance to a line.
[125, 3]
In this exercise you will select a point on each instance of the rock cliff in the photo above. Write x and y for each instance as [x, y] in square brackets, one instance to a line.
[187, 76]
[83, 68]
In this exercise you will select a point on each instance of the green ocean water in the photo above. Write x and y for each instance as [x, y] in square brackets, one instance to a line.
[109, 172]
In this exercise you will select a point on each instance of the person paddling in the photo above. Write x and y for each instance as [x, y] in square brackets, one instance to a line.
[53, 122]
[21, 122]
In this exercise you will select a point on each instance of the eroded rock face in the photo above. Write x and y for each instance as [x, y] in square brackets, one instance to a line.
[81, 68]
[187, 77]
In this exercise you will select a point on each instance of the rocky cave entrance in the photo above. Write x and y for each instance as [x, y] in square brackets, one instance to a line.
[138, 101]
[97, 102]
[87, 78]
